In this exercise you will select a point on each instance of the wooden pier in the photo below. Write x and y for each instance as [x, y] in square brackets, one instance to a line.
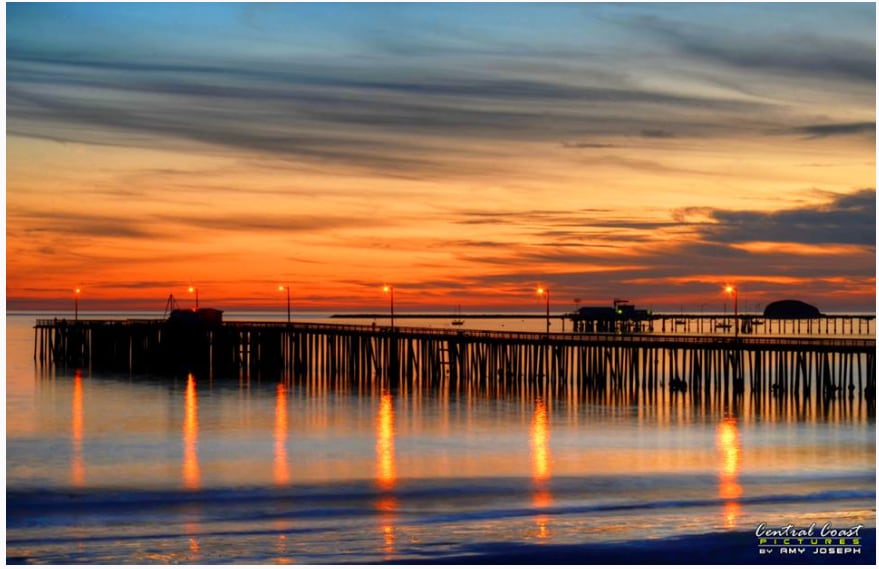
[824, 368]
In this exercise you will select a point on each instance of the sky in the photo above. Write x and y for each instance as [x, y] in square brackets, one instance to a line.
[463, 153]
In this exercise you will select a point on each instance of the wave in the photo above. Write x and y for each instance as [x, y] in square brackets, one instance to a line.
[421, 501]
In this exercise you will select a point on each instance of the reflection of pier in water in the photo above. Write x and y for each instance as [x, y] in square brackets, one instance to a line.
[603, 368]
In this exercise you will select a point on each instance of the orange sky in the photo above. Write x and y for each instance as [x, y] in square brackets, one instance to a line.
[651, 160]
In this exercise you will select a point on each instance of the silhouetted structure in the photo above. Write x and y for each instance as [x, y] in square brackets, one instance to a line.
[618, 365]
[203, 317]
[790, 309]
[621, 317]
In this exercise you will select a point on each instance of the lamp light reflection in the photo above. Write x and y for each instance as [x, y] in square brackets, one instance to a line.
[281, 466]
[77, 465]
[191, 471]
[540, 443]
[729, 445]
[540, 468]
[386, 470]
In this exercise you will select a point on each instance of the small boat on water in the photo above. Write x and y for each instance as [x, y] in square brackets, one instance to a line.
[723, 326]
[458, 321]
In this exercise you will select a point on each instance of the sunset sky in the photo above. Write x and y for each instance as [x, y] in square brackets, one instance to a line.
[464, 153]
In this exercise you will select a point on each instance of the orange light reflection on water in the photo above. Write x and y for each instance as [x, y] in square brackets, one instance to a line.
[387, 507]
[281, 466]
[77, 464]
[540, 443]
[729, 444]
[386, 471]
[540, 467]
[191, 470]
[384, 446]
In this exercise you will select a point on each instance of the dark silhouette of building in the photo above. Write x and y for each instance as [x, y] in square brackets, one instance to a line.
[621, 317]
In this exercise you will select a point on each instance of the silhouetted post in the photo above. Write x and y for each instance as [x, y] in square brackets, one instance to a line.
[390, 289]
[76, 305]
[195, 290]
[545, 292]
[287, 288]
[734, 290]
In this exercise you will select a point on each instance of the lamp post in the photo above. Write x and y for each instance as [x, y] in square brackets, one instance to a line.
[193, 289]
[390, 290]
[734, 290]
[287, 288]
[76, 292]
[543, 291]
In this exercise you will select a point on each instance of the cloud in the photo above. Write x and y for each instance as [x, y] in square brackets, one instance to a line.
[800, 54]
[656, 133]
[367, 117]
[837, 129]
[77, 225]
[250, 223]
[587, 145]
[847, 219]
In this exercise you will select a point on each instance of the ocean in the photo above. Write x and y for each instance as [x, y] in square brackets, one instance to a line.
[115, 468]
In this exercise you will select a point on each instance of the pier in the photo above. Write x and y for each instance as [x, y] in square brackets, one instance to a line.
[802, 367]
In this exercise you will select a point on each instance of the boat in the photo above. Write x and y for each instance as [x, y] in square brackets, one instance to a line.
[458, 321]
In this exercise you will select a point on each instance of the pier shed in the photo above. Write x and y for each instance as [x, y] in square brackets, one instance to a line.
[621, 317]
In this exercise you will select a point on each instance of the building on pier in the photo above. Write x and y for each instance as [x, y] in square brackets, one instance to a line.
[621, 317]
[196, 317]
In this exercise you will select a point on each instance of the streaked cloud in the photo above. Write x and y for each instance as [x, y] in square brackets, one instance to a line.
[838, 129]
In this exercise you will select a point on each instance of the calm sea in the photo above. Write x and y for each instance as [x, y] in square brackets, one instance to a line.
[142, 469]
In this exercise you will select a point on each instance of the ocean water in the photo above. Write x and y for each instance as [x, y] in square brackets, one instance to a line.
[142, 469]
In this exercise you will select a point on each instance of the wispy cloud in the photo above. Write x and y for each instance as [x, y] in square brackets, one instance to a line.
[837, 129]
[792, 53]
[330, 113]
[78, 225]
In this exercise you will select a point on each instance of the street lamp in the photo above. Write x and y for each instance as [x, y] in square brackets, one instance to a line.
[542, 291]
[287, 288]
[193, 289]
[390, 290]
[734, 290]
[76, 292]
